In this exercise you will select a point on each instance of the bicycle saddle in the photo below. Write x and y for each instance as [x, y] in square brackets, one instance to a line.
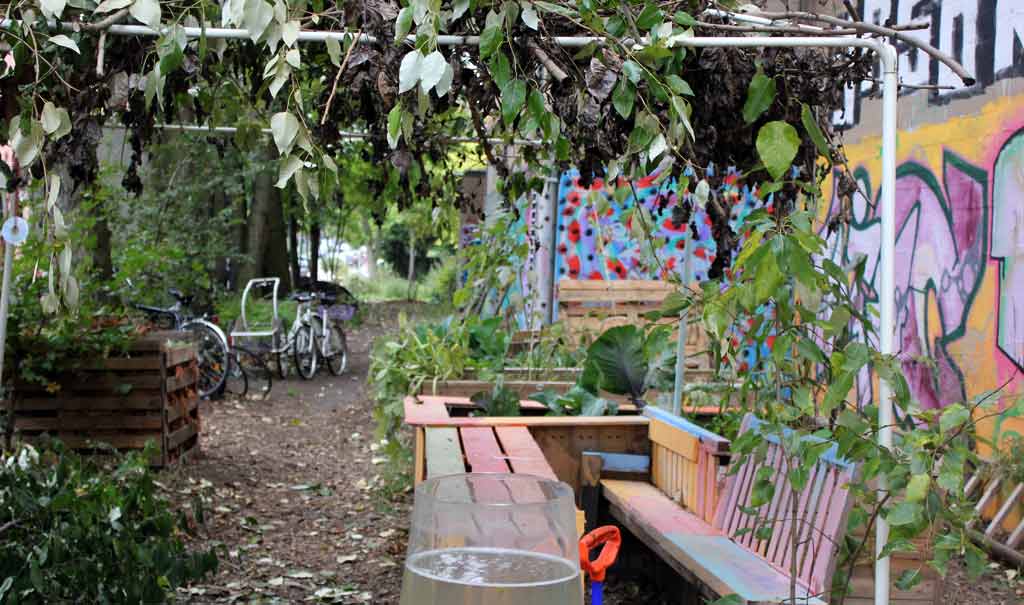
[301, 296]
[180, 296]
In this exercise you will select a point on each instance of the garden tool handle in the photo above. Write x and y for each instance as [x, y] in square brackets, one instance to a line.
[609, 539]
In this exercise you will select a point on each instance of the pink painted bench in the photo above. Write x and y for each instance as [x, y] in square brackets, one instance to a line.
[723, 555]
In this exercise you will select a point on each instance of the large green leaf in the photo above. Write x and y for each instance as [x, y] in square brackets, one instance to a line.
[619, 355]
[777, 144]
[624, 97]
[760, 95]
[513, 97]
[814, 131]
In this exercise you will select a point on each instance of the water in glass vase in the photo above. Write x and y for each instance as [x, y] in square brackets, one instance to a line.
[489, 576]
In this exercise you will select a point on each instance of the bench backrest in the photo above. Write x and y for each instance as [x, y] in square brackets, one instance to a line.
[822, 508]
[589, 307]
[685, 462]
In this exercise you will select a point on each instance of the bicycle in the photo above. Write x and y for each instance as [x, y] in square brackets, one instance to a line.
[320, 337]
[311, 337]
[213, 350]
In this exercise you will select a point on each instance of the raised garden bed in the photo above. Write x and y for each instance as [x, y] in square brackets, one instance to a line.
[148, 395]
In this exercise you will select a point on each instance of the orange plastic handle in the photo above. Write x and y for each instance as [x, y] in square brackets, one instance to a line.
[610, 539]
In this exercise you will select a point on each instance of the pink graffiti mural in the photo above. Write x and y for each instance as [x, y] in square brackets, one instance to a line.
[941, 250]
[1008, 245]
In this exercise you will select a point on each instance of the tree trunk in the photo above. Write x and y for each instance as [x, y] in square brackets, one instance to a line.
[412, 267]
[101, 255]
[275, 243]
[218, 202]
[293, 248]
[371, 248]
[314, 252]
[257, 225]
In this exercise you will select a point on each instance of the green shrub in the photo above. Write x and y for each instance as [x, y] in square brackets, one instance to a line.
[440, 284]
[72, 532]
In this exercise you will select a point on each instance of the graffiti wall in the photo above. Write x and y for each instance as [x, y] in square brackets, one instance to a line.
[983, 35]
[959, 249]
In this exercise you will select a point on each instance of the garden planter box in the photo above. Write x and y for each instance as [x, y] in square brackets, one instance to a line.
[124, 402]
[927, 592]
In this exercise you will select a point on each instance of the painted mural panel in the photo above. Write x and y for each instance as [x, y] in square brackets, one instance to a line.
[960, 243]
[593, 235]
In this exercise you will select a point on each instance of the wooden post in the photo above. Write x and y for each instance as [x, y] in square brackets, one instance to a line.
[590, 488]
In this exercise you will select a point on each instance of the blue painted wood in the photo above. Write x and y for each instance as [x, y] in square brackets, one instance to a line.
[831, 455]
[684, 425]
[623, 463]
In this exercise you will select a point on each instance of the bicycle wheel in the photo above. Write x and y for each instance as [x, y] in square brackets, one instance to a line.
[212, 350]
[236, 383]
[260, 378]
[305, 352]
[281, 352]
[336, 350]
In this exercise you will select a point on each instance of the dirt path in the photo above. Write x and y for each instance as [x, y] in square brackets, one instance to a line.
[292, 496]
[291, 489]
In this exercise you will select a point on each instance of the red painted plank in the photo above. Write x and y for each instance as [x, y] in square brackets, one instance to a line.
[523, 453]
[815, 525]
[785, 554]
[781, 487]
[832, 531]
[425, 411]
[741, 519]
[482, 450]
[702, 469]
[808, 504]
[773, 459]
[780, 536]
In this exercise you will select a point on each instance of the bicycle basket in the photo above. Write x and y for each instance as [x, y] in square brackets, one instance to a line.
[340, 312]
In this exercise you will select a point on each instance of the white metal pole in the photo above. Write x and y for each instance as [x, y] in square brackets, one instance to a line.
[680, 377]
[10, 203]
[887, 291]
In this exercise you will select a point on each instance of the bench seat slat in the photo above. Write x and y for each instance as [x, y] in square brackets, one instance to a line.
[642, 500]
[728, 568]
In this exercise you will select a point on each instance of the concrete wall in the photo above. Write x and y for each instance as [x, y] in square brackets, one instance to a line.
[960, 200]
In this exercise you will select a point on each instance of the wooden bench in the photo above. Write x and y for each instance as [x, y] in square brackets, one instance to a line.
[722, 554]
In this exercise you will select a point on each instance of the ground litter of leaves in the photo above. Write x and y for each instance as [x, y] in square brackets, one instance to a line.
[292, 496]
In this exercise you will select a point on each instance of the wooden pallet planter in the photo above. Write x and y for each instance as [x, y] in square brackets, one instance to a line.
[149, 395]
[589, 307]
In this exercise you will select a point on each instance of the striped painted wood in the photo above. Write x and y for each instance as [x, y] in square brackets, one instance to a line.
[831, 533]
[773, 507]
[814, 523]
[998, 505]
[1008, 505]
[1016, 535]
[988, 496]
[821, 511]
